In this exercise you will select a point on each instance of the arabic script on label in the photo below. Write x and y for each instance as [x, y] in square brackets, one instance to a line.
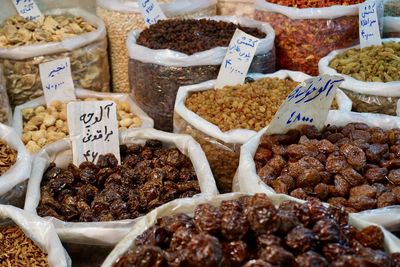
[93, 129]
[309, 103]
[238, 58]
[57, 80]
[369, 24]
[27, 9]
[151, 11]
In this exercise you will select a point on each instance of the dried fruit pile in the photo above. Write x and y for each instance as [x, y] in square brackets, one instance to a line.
[370, 64]
[44, 125]
[8, 157]
[315, 3]
[251, 232]
[191, 36]
[355, 166]
[148, 177]
[18, 250]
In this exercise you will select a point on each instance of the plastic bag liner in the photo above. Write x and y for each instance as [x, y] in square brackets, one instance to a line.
[247, 180]
[87, 52]
[374, 97]
[109, 233]
[222, 148]
[304, 36]
[391, 27]
[13, 182]
[187, 206]
[123, 16]
[156, 74]
[18, 122]
[41, 232]
[5, 109]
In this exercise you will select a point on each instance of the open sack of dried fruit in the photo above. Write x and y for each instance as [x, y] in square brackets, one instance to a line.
[61, 33]
[306, 31]
[123, 16]
[221, 120]
[39, 125]
[391, 27]
[28, 240]
[251, 231]
[174, 53]
[5, 109]
[242, 8]
[352, 163]
[392, 8]
[97, 204]
[372, 77]
[15, 167]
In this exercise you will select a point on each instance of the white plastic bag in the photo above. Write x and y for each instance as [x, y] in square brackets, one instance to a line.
[391, 27]
[375, 97]
[242, 8]
[247, 180]
[109, 233]
[13, 182]
[187, 206]
[88, 54]
[222, 148]
[5, 109]
[41, 232]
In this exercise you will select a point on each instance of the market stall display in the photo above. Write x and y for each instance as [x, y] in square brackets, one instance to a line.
[5, 109]
[122, 17]
[243, 230]
[39, 125]
[243, 8]
[72, 33]
[372, 80]
[306, 31]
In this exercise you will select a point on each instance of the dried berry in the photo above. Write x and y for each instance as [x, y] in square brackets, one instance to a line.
[207, 219]
[371, 236]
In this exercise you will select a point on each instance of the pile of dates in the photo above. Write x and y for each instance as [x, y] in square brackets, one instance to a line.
[148, 177]
[251, 232]
[355, 166]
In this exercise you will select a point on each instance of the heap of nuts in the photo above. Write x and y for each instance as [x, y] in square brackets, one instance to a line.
[191, 35]
[355, 166]
[8, 157]
[18, 31]
[18, 250]
[252, 232]
[371, 64]
[44, 125]
[249, 106]
[315, 4]
[148, 177]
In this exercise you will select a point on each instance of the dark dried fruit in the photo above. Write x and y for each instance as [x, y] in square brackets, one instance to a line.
[371, 236]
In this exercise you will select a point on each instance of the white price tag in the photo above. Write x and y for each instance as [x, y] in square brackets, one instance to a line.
[27, 9]
[93, 129]
[309, 103]
[57, 81]
[238, 58]
[151, 11]
[369, 24]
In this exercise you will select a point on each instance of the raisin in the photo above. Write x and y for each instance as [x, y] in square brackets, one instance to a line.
[352, 176]
[321, 191]
[387, 199]
[276, 255]
[287, 221]
[336, 163]
[309, 177]
[299, 193]
[204, 251]
[363, 190]
[234, 225]
[327, 231]
[361, 203]
[311, 259]
[207, 219]
[375, 152]
[296, 152]
[300, 239]
[142, 256]
[371, 236]
[236, 252]
[333, 251]
[277, 163]
[262, 216]
[257, 263]
[354, 155]
[376, 175]
[348, 261]
[263, 155]
[394, 176]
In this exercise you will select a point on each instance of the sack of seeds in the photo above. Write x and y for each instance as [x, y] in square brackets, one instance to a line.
[391, 27]
[241, 8]
[306, 31]
[97, 204]
[28, 240]
[5, 109]
[372, 78]
[39, 125]
[352, 163]
[253, 230]
[15, 167]
[122, 17]
[174, 53]
[221, 120]
[61, 33]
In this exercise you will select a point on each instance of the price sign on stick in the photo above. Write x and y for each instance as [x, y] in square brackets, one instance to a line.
[309, 103]
[57, 81]
[93, 129]
[27, 9]
[238, 58]
[151, 11]
[369, 25]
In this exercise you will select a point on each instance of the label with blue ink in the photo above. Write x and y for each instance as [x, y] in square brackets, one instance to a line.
[151, 11]
[27, 9]
[369, 24]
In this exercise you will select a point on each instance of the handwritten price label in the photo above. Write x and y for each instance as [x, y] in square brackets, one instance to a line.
[309, 103]
[369, 25]
[57, 81]
[27, 9]
[151, 11]
[93, 129]
[238, 58]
